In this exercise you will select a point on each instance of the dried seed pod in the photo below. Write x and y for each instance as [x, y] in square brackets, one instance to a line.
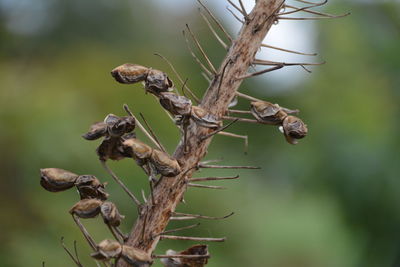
[267, 112]
[175, 104]
[293, 129]
[165, 164]
[135, 256]
[110, 214]
[107, 249]
[205, 119]
[56, 180]
[87, 208]
[117, 126]
[130, 73]
[157, 82]
[111, 148]
[97, 130]
[138, 149]
[187, 262]
[90, 187]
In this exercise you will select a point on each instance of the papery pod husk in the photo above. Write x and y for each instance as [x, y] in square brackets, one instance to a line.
[96, 130]
[157, 82]
[138, 149]
[56, 180]
[267, 112]
[195, 250]
[86, 208]
[118, 126]
[205, 119]
[165, 164]
[175, 104]
[90, 187]
[130, 73]
[112, 148]
[135, 256]
[107, 249]
[110, 214]
[294, 129]
[171, 262]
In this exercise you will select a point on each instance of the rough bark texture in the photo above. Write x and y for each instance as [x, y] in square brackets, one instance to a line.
[169, 192]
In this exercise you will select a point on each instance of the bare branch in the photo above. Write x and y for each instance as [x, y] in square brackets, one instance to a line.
[202, 179]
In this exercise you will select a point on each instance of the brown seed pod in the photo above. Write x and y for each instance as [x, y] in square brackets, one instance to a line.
[107, 249]
[111, 148]
[267, 112]
[56, 180]
[175, 104]
[110, 214]
[293, 129]
[165, 164]
[138, 149]
[90, 187]
[187, 262]
[203, 118]
[86, 208]
[97, 130]
[118, 126]
[130, 73]
[135, 256]
[157, 82]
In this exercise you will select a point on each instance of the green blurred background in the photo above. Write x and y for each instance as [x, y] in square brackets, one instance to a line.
[331, 201]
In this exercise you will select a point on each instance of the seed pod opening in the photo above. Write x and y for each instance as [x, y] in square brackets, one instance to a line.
[86, 208]
[267, 112]
[56, 180]
[157, 82]
[129, 73]
[107, 249]
[165, 164]
[294, 129]
[138, 149]
[205, 119]
[118, 126]
[111, 148]
[175, 104]
[110, 214]
[135, 256]
[90, 187]
[97, 130]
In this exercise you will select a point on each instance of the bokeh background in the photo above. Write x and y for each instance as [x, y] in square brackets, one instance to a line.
[331, 201]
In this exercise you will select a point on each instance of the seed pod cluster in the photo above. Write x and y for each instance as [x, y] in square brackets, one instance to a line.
[293, 128]
[109, 249]
[187, 262]
[115, 130]
[153, 161]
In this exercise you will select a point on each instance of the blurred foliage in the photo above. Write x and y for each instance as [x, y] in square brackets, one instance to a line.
[332, 200]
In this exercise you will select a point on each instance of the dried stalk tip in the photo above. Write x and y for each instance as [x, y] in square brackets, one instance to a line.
[56, 180]
[205, 119]
[267, 112]
[293, 129]
[130, 73]
[97, 130]
[136, 257]
[110, 214]
[165, 164]
[107, 249]
[86, 208]
[196, 250]
[90, 187]
[175, 104]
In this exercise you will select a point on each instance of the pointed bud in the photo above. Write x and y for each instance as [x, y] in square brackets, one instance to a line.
[157, 82]
[165, 164]
[267, 112]
[294, 129]
[110, 214]
[107, 249]
[56, 180]
[130, 73]
[90, 187]
[86, 208]
[96, 131]
[135, 256]
[175, 104]
[205, 119]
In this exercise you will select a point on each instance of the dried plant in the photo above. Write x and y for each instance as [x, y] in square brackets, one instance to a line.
[198, 120]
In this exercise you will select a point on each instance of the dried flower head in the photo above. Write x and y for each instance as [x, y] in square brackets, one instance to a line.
[294, 129]
[267, 112]
[87, 208]
[90, 187]
[165, 164]
[175, 104]
[130, 73]
[205, 119]
[56, 180]
[96, 130]
[110, 214]
[135, 256]
[157, 82]
[107, 249]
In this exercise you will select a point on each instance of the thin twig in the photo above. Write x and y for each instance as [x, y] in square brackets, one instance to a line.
[244, 137]
[224, 45]
[235, 16]
[201, 239]
[251, 98]
[243, 9]
[259, 72]
[289, 51]
[237, 8]
[202, 179]
[76, 260]
[301, 9]
[312, 18]
[229, 167]
[206, 186]
[205, 69]
[152, 133]
[217, 131]
[198, 216]
[179, 229]
[181, 256]
[235, 111]
[84, 232]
